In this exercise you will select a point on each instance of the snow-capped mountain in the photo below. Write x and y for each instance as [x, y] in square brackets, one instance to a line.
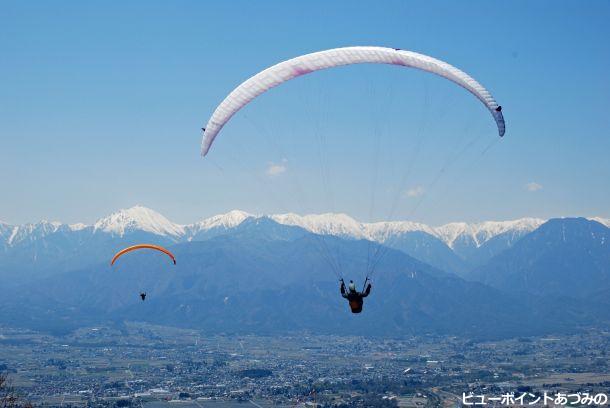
[138, 218]
[258, 255]
[565, 257]
[5, 232]
[603, 221]
[215, 225]
[340, 225]
[455, 247]
[30, 232]
[482, 232]
[344, 226]
[385, 231]
[279, 268]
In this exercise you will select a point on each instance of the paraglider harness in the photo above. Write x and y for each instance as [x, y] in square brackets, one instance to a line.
[355, 298]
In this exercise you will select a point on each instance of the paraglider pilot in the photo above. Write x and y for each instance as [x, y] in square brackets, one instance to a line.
[143, 295]
[355, 298]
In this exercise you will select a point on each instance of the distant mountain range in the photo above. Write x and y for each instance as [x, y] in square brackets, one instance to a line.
[455, 247]
[564, 257]
[142, 219]
[240, 272]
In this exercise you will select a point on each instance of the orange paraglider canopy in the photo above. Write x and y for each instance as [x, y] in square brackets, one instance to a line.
[142, 246]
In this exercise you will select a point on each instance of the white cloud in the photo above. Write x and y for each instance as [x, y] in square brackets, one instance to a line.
[275, 169]
[415, 192]
[533, 186]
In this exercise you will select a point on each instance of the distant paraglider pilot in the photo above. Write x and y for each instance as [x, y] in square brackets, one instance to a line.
[355, 298]
[137, 248]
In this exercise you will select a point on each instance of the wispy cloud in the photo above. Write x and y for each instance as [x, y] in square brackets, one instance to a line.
[275, 169]
[533, 186]
[417, 191]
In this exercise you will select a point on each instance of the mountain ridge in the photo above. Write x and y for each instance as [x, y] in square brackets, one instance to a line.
[145, 219]
[254, 274]
[551, 261]
[256, 282]
[456, 247]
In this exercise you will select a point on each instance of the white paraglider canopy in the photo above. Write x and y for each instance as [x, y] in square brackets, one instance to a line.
[305, 64]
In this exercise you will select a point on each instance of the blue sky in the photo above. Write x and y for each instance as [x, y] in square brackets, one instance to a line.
[101, 105]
